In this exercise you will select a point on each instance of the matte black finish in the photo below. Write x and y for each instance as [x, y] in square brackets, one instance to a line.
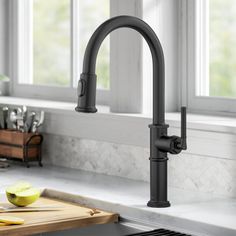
[160, 143]
[87, 93]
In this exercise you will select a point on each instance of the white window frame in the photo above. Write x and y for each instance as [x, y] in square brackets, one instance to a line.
[193, 46]
[17, 56]
[118, 97]
[126, 63]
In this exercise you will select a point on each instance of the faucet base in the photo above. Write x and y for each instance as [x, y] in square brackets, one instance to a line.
[158, 204]
[86, 110]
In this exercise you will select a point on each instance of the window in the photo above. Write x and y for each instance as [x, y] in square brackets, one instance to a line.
[51, 39]
[47, 51]
[203, 58]
[51, 42]
[90, 22]
[222, 51]
[65, 27]
[211, 57]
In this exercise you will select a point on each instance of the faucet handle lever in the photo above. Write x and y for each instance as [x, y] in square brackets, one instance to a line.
[183, 144]
[174, 144]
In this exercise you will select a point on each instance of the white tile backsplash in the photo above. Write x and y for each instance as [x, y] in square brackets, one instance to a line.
[190, 172]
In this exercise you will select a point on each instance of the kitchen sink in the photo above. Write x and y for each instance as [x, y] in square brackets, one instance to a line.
[123, 228]
[114, 229]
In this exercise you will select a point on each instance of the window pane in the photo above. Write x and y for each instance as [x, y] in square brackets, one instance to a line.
[48, 45]
[91, 15]
[222, 43]
[51, 42]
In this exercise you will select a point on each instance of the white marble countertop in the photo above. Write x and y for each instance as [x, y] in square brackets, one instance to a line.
[198, 213]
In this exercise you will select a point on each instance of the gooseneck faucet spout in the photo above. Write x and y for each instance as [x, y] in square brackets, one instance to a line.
[160, 143]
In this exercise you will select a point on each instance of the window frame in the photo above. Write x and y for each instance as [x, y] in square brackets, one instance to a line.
[16, 44]
[126, 61]
[193, 45]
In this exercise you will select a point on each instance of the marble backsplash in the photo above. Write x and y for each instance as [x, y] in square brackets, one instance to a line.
[190, 172]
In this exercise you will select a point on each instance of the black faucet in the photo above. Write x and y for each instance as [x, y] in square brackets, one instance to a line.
[160, 142]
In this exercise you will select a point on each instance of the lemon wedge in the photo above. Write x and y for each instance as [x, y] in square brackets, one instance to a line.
[10, 220]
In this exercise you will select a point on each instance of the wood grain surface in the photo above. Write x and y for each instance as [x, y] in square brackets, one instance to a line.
[69, 216]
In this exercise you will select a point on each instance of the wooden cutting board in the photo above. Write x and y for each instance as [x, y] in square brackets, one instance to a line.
[69, 216]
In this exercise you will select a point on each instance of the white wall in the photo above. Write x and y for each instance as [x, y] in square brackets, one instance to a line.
[3, 37]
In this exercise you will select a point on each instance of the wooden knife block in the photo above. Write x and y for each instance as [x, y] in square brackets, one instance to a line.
[21, 146]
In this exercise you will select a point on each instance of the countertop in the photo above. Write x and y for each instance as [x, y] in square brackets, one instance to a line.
[200, 213]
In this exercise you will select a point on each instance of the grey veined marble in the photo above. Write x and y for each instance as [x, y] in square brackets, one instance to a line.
[190, 172]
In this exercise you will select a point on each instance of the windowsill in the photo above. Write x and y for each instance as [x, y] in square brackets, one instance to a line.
[195, 121]
[207, 135]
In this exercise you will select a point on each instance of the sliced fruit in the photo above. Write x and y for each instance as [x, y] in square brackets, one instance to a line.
[10, 220]
[22, 194]
[3, 224]
[18, 187]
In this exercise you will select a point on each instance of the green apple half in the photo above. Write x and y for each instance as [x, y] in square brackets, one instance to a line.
[22, 194]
